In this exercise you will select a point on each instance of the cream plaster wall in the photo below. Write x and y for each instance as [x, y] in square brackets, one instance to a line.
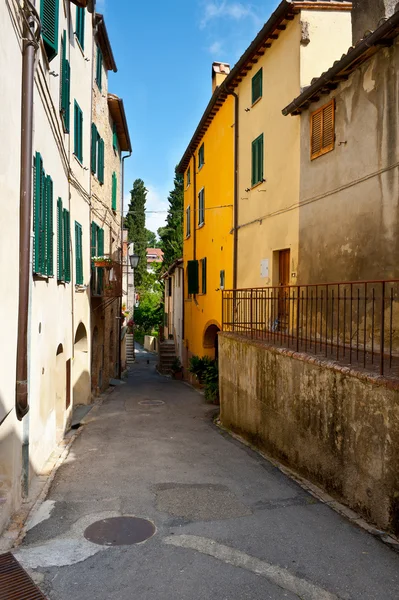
[10, 127]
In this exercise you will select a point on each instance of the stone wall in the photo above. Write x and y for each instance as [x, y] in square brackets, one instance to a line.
[336, 427]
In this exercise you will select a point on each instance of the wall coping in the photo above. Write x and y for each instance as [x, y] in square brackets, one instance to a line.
[363, 375]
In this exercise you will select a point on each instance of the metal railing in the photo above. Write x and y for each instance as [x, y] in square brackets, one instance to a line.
[355, 323]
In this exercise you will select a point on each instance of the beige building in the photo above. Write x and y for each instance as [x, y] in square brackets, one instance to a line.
[45, 311]
[109, 138]
[174, 306]
[349, 173]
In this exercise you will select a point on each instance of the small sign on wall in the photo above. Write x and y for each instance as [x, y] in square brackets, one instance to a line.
[264, 268]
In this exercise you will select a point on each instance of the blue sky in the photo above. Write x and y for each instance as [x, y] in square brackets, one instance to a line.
[164, 51]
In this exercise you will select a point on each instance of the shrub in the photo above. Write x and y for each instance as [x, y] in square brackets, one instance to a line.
[198, 366]
[206, 371]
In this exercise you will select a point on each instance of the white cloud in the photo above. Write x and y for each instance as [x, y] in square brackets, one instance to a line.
[215, 48]
[233, 10]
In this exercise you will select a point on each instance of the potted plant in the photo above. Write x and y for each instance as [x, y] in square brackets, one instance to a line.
[130, 326]
[177, 369]
[102, 261]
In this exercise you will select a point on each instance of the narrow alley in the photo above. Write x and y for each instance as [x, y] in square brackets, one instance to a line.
[228, 524]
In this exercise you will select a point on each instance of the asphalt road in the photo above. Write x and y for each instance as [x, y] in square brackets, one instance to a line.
[229, 525]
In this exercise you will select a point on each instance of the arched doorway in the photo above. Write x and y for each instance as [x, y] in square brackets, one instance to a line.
[81, 367]
[210, 339]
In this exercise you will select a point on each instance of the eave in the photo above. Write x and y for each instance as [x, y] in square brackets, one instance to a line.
[342, 69]
[276, 24]
[117, 111]
[81, 3]
[104, 43]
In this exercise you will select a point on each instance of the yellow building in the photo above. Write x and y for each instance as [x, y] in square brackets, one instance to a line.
[208, 168]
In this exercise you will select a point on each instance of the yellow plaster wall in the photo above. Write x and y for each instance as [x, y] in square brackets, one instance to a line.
[214, 240]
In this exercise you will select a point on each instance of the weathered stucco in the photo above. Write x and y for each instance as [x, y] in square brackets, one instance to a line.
[349, 215]
[338, 429]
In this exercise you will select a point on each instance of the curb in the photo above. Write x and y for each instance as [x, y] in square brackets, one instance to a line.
[14, 535]
[387, 538]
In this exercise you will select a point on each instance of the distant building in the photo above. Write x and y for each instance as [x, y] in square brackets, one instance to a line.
[154, 256]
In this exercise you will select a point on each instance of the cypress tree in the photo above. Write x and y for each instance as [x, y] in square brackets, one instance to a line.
[171, 236]
[135, 223]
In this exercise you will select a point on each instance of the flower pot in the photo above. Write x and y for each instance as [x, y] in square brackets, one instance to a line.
[102, 263]
[178, 375]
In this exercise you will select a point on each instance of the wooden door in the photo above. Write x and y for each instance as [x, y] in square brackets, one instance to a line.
[284, 260]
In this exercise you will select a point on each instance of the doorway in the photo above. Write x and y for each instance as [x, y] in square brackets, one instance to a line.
[284, 263]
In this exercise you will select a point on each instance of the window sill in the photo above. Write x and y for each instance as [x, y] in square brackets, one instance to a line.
[258, 184]
[200, 167]
[41, 277]
[187, 186]
[79, 44]
[201, 225]
[256, 101]
[188, 236]
[78, 161]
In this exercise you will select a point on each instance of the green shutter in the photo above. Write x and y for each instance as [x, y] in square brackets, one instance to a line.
[78, 127]
[204, 275]
[201, 156]
[100, 243]
[80, 26]
[67, 245]
[114, 190]
[60, 241]
[257, 86]
[65, 85]
[257, 160]
[99, 68]
[114, 138]
[37, 211]
[94, 140]
[49, 10]
[49, 232]
[78, 254]
[100, 172]
[192, 276]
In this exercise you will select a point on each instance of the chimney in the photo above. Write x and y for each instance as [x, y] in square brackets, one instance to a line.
[219, 74]
[367, 15]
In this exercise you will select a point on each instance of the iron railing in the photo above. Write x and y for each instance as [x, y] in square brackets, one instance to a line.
[355, 323]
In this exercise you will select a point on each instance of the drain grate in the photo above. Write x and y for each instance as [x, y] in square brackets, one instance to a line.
[15, 583]
[120, 531]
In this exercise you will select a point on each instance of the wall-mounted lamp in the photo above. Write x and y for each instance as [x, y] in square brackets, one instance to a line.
[134, 260]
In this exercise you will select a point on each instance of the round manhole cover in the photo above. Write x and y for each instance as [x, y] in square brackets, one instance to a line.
[119, 531]
[151, 403]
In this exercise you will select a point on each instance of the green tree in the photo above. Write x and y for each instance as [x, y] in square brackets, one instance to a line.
[171, 236]
[135, 223]
[151, 239]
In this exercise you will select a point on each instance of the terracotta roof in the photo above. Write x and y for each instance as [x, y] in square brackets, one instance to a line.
[104, 43]
[349, 62]
[117, 110]
[158, 255]
[276, 24]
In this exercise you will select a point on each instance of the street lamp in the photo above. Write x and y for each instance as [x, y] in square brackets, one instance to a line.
[134, 260]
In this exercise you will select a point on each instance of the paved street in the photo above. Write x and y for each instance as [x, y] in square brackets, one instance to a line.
[229, 525]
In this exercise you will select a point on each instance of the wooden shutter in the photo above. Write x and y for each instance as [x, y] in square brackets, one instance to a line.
[100, 249]
[100, 172]
[80, 26]
[60, 241]
[67, 245]
[49, 231]
[257, 160]
[78, 253]
[114, 138]
[201, 156]
[322, 130]
[222, 280]
[201, 207]
[37, 190]
[192, 275]
[114, 190]
[49, 10]
[257, 85]
[94, 140]
[99, 68]
[188, 221]
[66, 94]
[94, 229]
[78, 126]
[203, 273]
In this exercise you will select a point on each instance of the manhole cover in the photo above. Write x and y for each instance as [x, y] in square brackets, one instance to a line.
[119, 531]
[151, 402]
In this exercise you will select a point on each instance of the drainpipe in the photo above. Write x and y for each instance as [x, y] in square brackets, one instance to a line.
[30, 46]
[120, 299]
[235, 209]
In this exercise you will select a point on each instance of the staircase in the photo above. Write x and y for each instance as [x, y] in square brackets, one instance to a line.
[129, 348]
[167, 354]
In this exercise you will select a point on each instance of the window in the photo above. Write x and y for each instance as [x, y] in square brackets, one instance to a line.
[201, 157]
[80, 26]
[99, 68]
[63, 243]
[94, 142]
[203, 275]
[97, 249]
[192, 276]
[78, 253]
[114, 138]
[49, 17]
[42, 220]
[257, 160]
[201, 207]
[114, 190]
[257, 86]
[78, 140]
[222, 279]
[188, 221]
[322, 130]
[188, 176]
[65, 92]
[100, 163]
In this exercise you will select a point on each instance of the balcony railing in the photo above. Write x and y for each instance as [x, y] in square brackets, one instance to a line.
[355, 323]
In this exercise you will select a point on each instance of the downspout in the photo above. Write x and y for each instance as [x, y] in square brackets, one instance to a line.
[120, 299]
[235, 209]
[30, 46]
